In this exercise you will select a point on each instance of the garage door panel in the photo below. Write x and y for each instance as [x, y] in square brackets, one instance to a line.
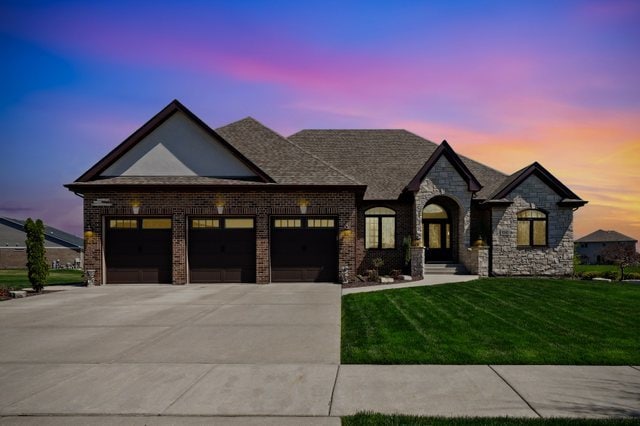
[137, 255]
[222, 255]
[303, 254]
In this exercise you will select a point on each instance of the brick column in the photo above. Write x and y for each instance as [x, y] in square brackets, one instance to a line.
[263, 272]
[179, 251]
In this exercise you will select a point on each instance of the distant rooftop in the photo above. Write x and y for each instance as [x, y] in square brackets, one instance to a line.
[602, 236]
[17, 234]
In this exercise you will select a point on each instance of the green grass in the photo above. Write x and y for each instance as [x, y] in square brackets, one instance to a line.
[365, 419]
[605, 268]
[17, 278]
[495, 321]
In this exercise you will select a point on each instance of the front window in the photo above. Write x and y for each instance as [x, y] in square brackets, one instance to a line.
[532, 228]
[380, 228]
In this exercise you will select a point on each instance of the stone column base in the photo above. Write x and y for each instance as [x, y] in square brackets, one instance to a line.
[417, 263]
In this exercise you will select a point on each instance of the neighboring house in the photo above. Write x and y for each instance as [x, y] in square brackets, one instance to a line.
[590, 246]
[59, 245]
[179, 202]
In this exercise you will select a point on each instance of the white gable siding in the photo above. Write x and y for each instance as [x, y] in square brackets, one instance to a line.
[178, 147]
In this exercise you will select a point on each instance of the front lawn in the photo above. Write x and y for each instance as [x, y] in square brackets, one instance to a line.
[365, 419]
[495, 321]
[17, 278]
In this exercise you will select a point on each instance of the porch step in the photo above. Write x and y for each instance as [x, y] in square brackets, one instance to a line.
[444, 269]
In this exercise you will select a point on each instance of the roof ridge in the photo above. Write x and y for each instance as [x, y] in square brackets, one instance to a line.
[305, 151]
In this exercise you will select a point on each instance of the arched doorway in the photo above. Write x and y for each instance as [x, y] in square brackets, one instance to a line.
[437, 233]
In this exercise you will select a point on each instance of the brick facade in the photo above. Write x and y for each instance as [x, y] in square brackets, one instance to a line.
[393, 258]
[557, 258]
[179, 205]
[16, 257]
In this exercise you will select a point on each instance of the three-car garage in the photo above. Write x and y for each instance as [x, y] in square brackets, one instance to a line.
[220, 249]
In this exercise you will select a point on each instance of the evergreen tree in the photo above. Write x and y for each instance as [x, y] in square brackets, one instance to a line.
[37, 265]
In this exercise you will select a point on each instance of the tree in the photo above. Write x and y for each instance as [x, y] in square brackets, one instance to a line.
[37, 265]
[622, 255]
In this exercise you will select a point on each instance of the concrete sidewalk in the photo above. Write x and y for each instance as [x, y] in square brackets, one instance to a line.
[426, 281]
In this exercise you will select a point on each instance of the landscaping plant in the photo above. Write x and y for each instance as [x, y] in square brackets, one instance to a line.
[37, 265]
[621, 255]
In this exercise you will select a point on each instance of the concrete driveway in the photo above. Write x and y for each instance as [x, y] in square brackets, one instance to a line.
[151, 349]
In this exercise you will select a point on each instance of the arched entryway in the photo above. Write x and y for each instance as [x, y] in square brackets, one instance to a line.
[439, 230]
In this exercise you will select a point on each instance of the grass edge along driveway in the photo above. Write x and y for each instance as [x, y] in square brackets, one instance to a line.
[370, 419]
[495, 321]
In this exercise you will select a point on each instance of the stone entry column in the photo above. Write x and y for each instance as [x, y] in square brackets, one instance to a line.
[417, 262]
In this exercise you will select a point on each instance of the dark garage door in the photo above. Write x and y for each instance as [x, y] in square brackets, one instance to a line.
[303, 249]
[138, 250]
[222, 250]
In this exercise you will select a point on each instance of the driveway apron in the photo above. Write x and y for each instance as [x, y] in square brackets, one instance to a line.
[206, 350]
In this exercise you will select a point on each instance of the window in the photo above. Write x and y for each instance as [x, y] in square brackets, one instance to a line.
[321, 223]
[239, 223]
[163, 223]
[380, 228]
[205, 223]
[287, 223]
[434, 211]
[123, 223]
[532, 228]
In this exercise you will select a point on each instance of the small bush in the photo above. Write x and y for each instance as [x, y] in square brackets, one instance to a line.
[372, 275]
[612, 275]
[632, 276]
[589, 275]
[395, 273]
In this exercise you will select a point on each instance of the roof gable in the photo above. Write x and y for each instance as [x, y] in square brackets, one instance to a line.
[535, 169]
[445, 150]
[175, 142]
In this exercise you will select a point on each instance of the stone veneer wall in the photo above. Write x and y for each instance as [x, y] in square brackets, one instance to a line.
[556, 258]
[393, 258]
[180, 205]
[444, 180]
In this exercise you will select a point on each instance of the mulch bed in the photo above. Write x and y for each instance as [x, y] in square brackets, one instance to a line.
[356, 284]
[4, 294]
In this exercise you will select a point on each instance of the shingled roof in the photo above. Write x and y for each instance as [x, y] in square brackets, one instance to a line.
[601, 236]
[386, 160]
[284, 161]
[51, 235]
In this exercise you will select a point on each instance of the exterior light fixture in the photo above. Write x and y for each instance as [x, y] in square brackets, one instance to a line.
[88, 234]
[220, 204]
[135, 207]
[303, 204]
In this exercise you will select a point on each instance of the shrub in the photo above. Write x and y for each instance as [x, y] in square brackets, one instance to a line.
[612, 275]
[372, 275]
[37, 265]
[632, 276]
[589, 275]
[395, 273]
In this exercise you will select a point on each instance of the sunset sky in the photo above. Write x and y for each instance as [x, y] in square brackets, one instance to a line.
[504, 82]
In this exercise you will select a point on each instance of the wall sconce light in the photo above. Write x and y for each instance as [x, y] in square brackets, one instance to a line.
[220, 204]
[135, 207]
[88, 234]
[303, 204]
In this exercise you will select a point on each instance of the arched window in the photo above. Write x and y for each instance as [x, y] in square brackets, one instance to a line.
[532, 228]
[434, 211]
[380, 228]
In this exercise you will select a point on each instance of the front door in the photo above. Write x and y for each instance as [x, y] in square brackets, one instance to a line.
[437, 240]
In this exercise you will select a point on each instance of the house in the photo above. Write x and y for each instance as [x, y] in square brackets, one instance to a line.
[59, 245]
[179, 202]
[590, 246]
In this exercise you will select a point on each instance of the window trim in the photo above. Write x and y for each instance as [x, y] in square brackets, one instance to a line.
[379, 217]
[531, 221]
